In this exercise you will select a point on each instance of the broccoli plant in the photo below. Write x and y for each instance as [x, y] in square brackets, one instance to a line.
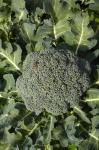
[49, 74]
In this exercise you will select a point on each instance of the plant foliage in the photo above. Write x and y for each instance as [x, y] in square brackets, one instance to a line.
[36, 25]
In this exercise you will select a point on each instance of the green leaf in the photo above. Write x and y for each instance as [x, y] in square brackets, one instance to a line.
[48, 147]
[61, 27]
[60, 135]
[61, 9]
[44, 30]
[95, 6]
[95, 135]
[89, 144]
[39, 45]
[27, 122]
[17, 54]
[35, 25]
[5, 147]
[38, 14]
[19, 8]
[1, 1]
[81, 114]
[4, 16]
[4, 13]
[15, 5]
[92, 56]
[43, 44]
[95, 111]
[27, 31]
[2, 64]
[61, 13]
[70, 120]
[95, 122]
[72, 147]
[70, 129]
[72, 3]
[9, 115]
[3, 95]
[28, 144]
[83, 32]
[50, 127]
[12, 57]
[89, 2]
[69, 37]
[11, 138]
[10, 82]
[92, 97]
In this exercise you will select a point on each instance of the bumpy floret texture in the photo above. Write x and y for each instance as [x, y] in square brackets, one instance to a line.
[53, 80]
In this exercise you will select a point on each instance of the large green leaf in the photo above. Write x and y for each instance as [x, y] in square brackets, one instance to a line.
[12, 57]
[84, 34]
[61, 9]
[61, 28]
[61, 13]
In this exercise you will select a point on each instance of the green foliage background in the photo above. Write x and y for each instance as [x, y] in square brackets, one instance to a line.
[35, 25]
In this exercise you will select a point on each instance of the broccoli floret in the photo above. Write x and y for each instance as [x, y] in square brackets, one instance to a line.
[53, 80]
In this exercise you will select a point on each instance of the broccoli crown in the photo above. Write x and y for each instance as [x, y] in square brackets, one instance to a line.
[52, 80]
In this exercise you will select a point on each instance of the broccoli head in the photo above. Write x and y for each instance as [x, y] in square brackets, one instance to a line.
[53, 80]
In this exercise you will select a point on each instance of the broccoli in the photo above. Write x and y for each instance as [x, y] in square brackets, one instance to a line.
[52, 80]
